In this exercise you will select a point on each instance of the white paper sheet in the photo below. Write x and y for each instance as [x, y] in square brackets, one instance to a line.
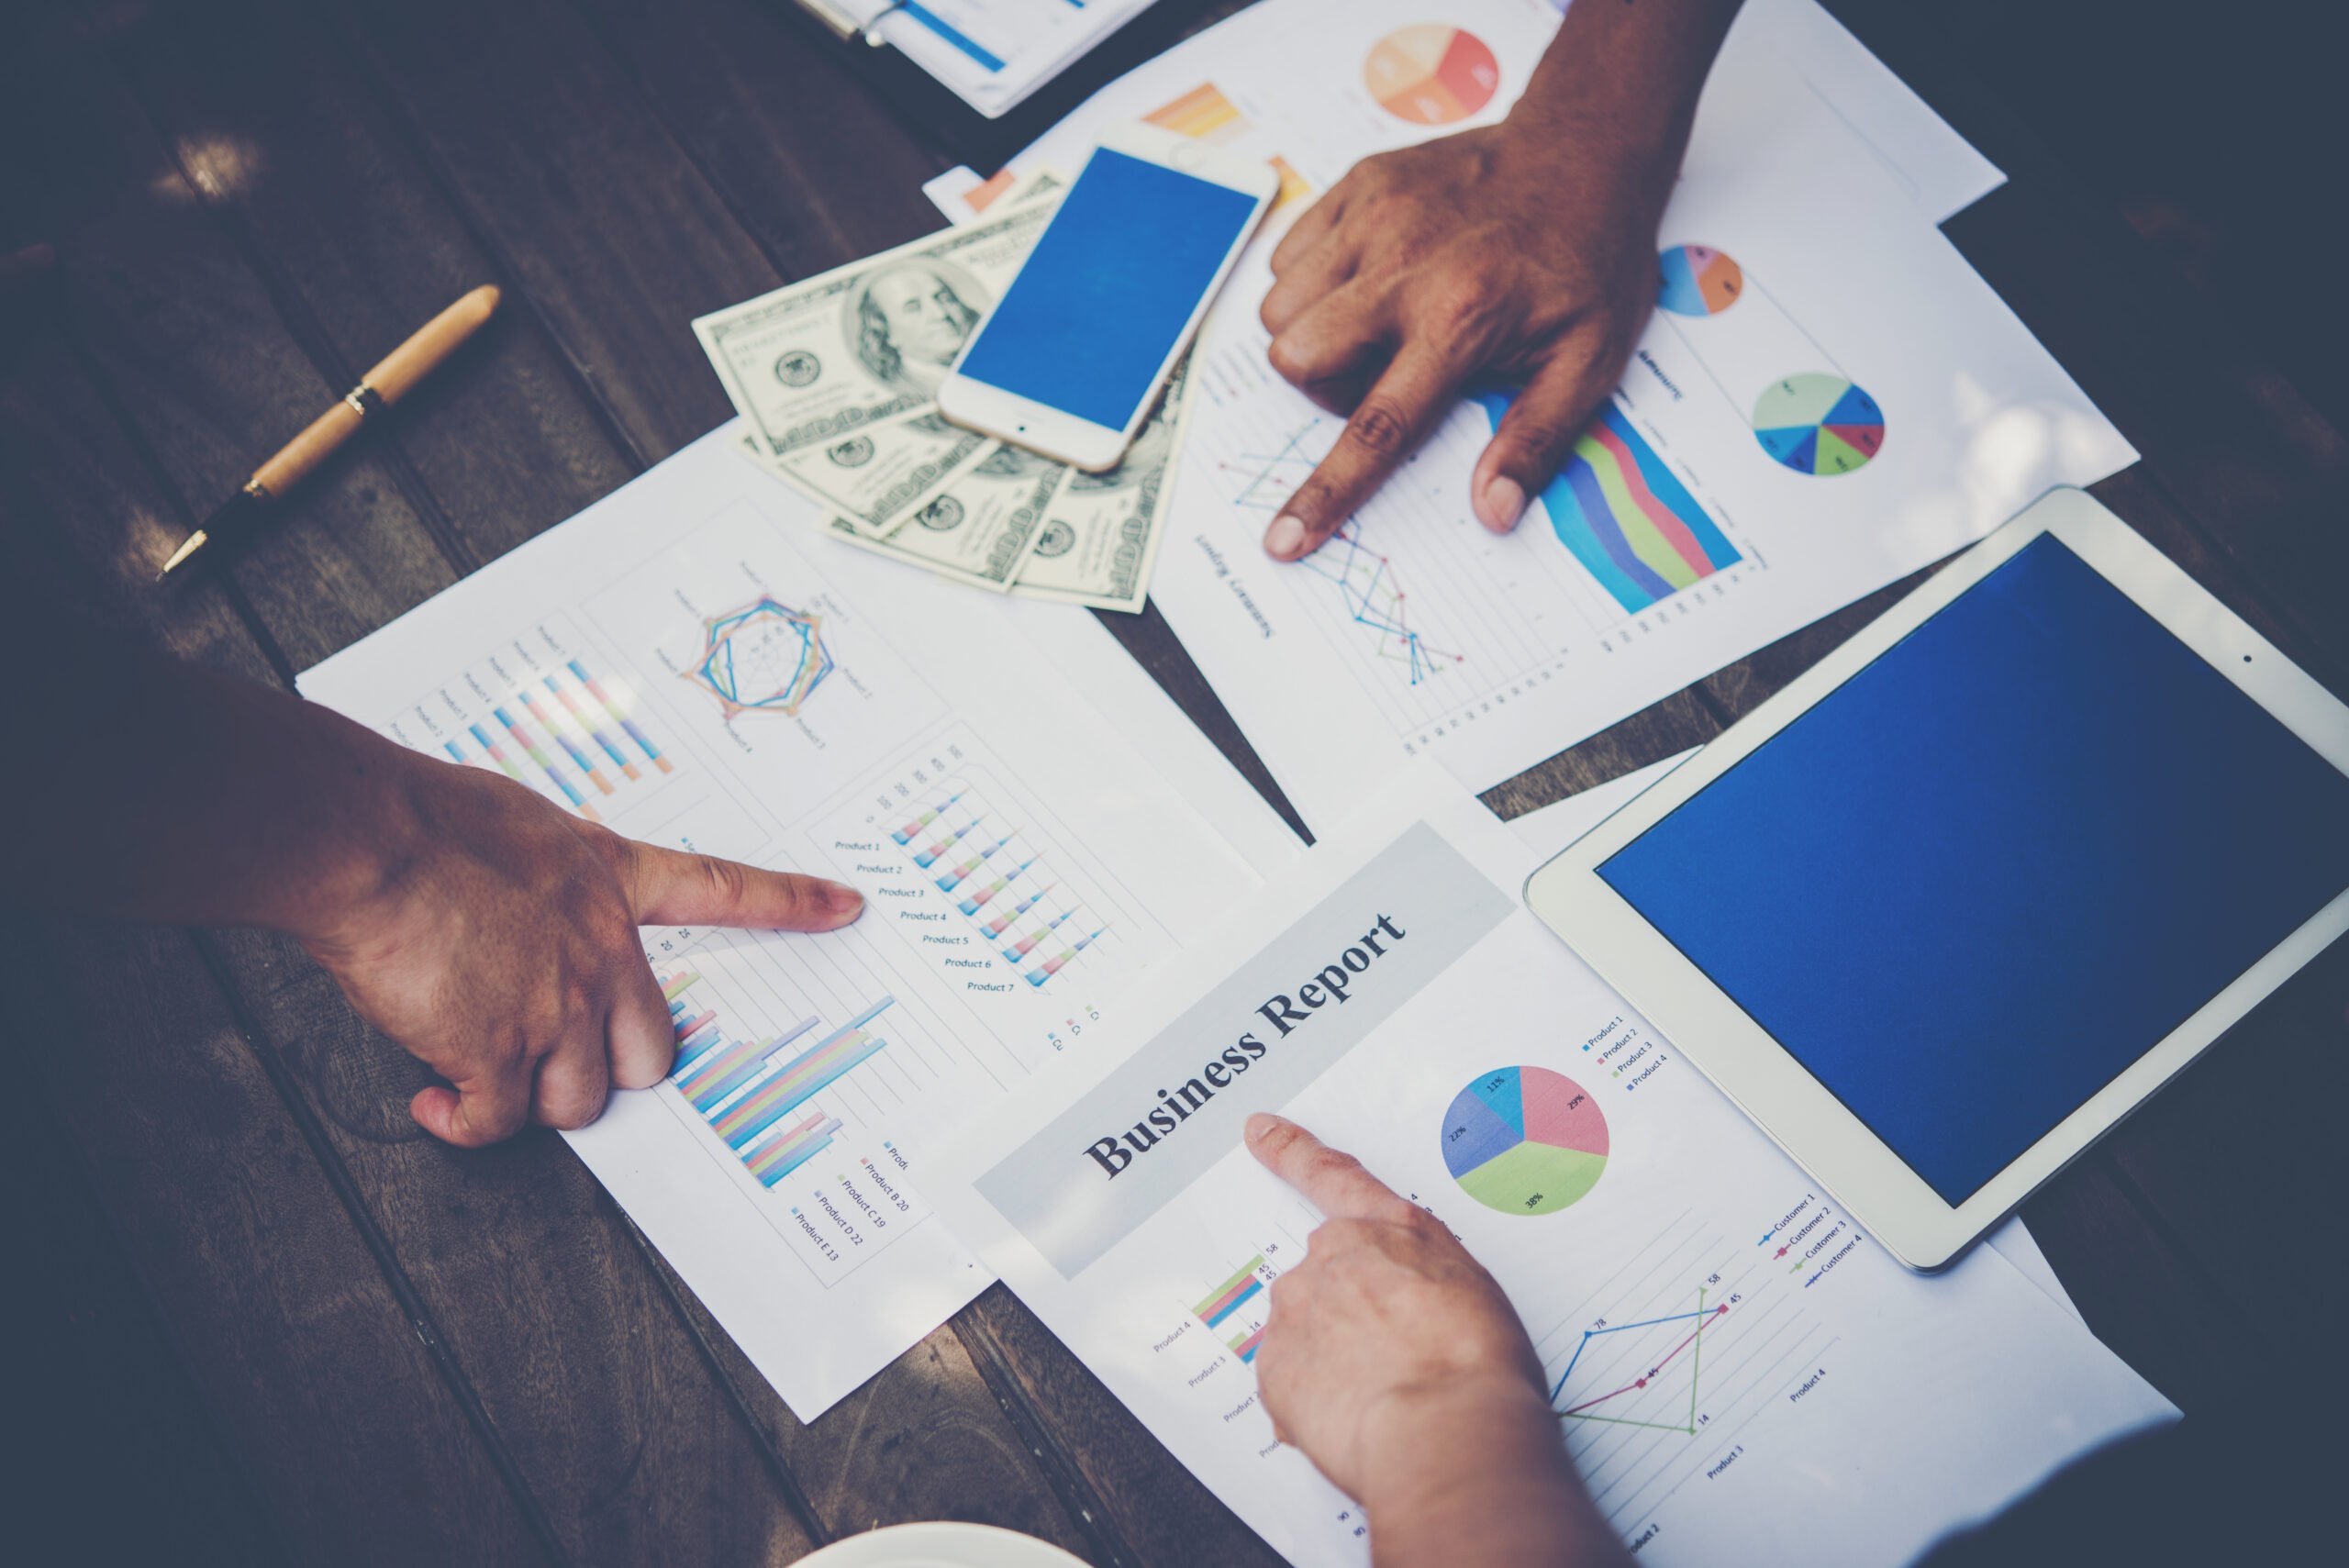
[1820, 178]
[1831, 1408]
[994, 53]
[600, 659]
[1547, 831]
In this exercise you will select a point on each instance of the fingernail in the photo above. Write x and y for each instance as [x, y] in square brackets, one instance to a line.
[842, 900]
[1285, 538]
[1503, 503]
[1260, 1127]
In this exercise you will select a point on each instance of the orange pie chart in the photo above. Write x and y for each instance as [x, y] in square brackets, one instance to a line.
[1431, 74]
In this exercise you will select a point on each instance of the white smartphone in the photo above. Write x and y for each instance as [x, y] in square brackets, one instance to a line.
[1073, 357]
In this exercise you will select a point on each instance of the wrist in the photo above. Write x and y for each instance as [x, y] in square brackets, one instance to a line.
[371, 826]
[1457, 1438]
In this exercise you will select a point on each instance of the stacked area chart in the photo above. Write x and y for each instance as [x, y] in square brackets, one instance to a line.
[1525, 1141]
[1625, 517]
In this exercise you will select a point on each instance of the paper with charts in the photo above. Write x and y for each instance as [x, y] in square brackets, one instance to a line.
[1740, 1372]
[1827, 399]
[685, 663]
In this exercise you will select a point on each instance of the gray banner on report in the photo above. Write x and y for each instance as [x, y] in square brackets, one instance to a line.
[1069, 1202]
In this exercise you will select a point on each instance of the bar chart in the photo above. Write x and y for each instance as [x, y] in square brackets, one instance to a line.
[748, 1088]
[1235, 1310]
[970, 846]
[545, 716]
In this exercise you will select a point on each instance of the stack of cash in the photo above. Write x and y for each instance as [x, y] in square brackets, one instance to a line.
[836, 380]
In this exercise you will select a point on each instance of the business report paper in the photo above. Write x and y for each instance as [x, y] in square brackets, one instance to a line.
[687, 663]
[1740, 1372]
[1827, 398]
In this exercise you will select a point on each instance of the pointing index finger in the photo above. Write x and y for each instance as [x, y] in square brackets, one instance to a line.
[1332, 1182]
[1388, 422]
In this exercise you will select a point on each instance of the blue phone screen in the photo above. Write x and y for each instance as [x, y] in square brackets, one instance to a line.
[1992, 869]
[1102, 299]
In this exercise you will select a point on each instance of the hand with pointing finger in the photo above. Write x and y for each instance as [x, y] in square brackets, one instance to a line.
[500, 946]
[1392, 1359]
[1520, 254]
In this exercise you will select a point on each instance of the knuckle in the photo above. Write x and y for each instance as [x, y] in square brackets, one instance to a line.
[1286, 357]
[724, 878]
[1379, 428]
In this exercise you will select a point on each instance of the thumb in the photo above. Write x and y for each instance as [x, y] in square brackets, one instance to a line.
[1534, 439]
[670, 888]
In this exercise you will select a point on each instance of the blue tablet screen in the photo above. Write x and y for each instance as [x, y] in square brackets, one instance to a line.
[1998, 865]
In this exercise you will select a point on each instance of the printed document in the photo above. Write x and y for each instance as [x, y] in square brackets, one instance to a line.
[1029, 822]
[1740, 1372]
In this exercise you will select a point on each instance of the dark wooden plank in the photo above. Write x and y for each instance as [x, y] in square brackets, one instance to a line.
[104, 1388]
[565, 1284]
[815, 167]
[2156, 1312]
[1654, 733]
[2250, 461]
[576, 190]
[330, 1402]
[354, 247]
[361, 1085]
[1158, 1510]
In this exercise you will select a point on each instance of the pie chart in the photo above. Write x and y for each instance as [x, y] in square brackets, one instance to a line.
[1525, 1141]
[1819, 424]
[1431, 74]
[1699, 280]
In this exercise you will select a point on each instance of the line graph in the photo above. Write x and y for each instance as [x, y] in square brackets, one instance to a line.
[1699, 1320]
[1664, 1364]
[1366, 581]
[1434, 617]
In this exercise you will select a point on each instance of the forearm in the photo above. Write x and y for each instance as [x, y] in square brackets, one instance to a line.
[1624, 76]
[193, 796]
[1483, 1481]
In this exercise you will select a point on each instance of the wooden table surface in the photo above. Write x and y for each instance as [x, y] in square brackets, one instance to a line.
[276, 1317]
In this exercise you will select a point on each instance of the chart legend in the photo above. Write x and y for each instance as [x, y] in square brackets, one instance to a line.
[1525, 1141]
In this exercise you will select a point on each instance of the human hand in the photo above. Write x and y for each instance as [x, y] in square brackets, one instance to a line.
[1387, 1332]
[496, 939]
[1521, 252]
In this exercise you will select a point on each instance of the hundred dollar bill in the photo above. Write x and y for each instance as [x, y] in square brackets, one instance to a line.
[873, 477]
[979, 527]
[815, 362]
[1101, 530]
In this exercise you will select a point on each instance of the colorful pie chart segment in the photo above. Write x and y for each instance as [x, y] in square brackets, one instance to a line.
[1431, 74]
[1818, 423]
[1699, 280]
[1525, 1141]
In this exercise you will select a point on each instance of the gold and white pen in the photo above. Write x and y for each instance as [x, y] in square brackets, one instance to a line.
[391, 380]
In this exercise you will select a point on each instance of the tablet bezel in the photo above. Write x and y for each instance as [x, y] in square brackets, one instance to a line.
[1860, 1171]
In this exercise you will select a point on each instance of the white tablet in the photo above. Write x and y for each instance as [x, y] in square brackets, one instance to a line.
[1958, 899]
